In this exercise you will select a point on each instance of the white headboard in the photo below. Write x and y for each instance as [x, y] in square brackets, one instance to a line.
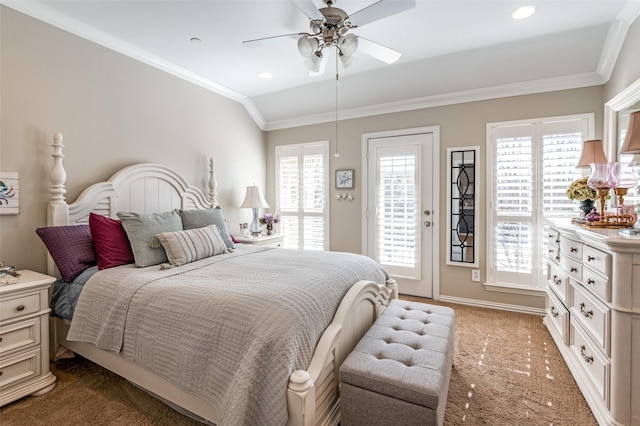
[142, 188]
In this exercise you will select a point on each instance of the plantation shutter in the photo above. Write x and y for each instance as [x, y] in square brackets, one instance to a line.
[531, 166]
[301, 195]
[397, 217]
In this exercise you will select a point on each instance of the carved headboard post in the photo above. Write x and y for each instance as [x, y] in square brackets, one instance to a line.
[58, 210]
[213, 185]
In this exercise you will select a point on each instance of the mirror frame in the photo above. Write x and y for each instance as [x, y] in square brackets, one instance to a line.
[621, 101]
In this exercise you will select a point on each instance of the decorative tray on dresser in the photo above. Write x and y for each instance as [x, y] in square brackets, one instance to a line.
[593, 315]
[24, 337]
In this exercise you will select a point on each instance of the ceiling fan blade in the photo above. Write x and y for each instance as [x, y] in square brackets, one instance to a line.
[379, 10]
[309, 9]
[378, 51]
[259, 42]
[321, 68]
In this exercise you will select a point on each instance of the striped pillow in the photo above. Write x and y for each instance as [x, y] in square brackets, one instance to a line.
[191, 245]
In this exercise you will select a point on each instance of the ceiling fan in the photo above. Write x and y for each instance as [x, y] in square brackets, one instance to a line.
[330, 27]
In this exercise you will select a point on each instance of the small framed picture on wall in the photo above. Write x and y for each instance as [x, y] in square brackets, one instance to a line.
[345, 179]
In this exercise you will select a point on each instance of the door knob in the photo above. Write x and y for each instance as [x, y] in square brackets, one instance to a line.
[427, 223]
[427, 212]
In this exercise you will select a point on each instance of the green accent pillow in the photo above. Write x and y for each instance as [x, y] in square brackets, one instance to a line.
[142, 228]
[199, 218]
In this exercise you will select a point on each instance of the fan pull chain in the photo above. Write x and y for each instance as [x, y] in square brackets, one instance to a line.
[337, 84]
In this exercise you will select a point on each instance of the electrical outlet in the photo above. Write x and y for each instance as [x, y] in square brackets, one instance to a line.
[475, 275]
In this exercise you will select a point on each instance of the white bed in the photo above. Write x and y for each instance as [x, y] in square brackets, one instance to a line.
[312, 394]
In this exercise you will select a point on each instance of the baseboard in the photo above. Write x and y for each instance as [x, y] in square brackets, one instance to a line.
[493, 305]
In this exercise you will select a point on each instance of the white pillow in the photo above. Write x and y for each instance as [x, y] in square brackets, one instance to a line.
[193, 244]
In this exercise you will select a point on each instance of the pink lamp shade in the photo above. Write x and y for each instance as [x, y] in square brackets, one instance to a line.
[631, 144]
[592, 152]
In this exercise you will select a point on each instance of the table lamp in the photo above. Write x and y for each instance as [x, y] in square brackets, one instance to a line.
[254, 200]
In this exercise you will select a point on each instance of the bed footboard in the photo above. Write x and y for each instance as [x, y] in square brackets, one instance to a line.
[313, 396]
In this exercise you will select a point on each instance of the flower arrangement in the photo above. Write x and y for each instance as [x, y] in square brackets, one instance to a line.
[580, 191]
[269, 219]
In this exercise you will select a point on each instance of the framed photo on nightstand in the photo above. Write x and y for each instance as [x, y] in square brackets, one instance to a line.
[345, 179]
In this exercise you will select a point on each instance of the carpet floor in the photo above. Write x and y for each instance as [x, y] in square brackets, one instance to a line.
[506, 371]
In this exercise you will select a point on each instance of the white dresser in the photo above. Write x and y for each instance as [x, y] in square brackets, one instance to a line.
[273, 240]
[24, 337]
[593, 315]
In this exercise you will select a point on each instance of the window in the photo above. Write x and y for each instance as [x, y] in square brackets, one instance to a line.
[301, 195]
[530, 165]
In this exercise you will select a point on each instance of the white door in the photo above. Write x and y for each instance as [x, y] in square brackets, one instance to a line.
[401, 233]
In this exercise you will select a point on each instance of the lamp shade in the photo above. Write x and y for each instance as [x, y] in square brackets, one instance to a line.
[254, 198]
[592, 152]
[631, 144]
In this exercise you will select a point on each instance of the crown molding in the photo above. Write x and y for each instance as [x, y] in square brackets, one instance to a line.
[615, 39]
[575, 81]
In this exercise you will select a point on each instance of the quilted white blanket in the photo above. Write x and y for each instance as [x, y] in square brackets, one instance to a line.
[229, 328]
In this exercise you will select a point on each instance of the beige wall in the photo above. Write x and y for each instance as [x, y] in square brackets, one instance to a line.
[113, 111]
[460, 125]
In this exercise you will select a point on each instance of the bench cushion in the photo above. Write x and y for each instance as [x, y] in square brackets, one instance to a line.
[407, 354]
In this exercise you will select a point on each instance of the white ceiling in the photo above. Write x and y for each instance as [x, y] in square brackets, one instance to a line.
[452, 50]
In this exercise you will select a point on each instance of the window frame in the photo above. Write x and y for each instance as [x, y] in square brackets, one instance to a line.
[537, 218]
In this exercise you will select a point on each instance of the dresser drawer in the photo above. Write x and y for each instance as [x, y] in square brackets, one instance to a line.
[19, 306]
[553, 237]
[596, 283]
[597, 260]
[593, 315]
[558, 281]
[559, 316]
[19, 335]
[19, 368]
[596, 366]
[571, 248]
[572, 267]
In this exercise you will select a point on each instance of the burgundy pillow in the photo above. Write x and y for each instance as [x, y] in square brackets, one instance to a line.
[70, 247]
[110, 241]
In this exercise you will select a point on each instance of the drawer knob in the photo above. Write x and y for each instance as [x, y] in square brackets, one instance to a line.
[557, 240]
[558, 258]
[587, 314]
[574, 269]
[590, 281]
[20, 308]
[583, 352]
[557, 280]
[573, 249]
[590, 258]
[553, 312]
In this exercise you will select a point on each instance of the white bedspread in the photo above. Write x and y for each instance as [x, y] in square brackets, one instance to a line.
[230, 328]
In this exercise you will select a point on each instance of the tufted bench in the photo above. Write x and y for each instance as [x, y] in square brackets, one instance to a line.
[398, 374]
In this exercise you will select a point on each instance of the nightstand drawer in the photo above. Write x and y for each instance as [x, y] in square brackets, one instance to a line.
[19, 335]
[19, 306]
[19, 368]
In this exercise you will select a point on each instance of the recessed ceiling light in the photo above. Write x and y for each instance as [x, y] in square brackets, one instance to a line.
[195, 40]
[523, 12]
[265, 75]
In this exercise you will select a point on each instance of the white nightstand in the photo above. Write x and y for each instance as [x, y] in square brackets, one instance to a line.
[273, 240]
[24, 337]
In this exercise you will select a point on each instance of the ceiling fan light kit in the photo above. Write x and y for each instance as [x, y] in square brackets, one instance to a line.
[329, 27]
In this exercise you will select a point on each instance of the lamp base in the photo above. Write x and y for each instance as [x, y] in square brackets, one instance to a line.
[255, 228]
